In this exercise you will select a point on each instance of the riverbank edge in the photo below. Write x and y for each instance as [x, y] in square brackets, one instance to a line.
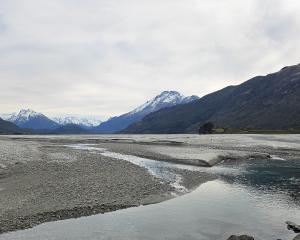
[31, 221]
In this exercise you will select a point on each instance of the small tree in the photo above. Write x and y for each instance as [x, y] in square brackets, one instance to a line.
[206, 128]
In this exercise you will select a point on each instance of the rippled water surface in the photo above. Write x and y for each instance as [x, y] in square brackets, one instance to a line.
[253, 197]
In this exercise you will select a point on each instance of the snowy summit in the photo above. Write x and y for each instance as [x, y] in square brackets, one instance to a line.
[83, 121]
[165, 99]
[23, 116]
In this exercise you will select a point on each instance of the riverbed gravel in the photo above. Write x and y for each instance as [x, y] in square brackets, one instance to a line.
[42, 181]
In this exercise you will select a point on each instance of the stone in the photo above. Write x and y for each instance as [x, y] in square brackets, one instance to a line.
[242, 237]
[297, 237]
[293, 226]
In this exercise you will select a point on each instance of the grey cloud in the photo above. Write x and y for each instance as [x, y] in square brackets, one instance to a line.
[3, 26]
[105, 57]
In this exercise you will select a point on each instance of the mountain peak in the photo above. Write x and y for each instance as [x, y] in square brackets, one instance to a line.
[163, 100]
[28, 113]
[167, 96]
[170, 92]
[24, 115]
[268, 102]
[28, 118]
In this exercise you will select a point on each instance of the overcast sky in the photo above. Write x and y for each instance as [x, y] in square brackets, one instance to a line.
[105, 57]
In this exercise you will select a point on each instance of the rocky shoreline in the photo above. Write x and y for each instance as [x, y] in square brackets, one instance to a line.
[25, 222]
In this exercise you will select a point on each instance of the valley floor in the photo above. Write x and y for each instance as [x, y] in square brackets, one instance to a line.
[43, 180]
[47, 178]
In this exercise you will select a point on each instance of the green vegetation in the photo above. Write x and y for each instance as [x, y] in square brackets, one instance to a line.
[206, 128]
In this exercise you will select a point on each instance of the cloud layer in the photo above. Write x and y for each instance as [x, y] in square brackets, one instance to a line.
[106, 57]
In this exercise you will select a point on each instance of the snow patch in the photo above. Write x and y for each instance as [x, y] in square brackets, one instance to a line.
[86, 121]
[24, 115]
[165, 99]
[274, 157]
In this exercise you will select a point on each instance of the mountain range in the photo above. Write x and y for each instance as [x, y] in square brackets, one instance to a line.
[35, 122]
[70, 129]
[164, 100]
[30, 119]
[86, 122]
[269, 102]
[9, 128]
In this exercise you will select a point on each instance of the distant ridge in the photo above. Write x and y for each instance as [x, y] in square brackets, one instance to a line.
[9, 128]
[163, 100]
[269, 102]
[30, 119]
[70, 129]
[86, 122]
[38, 123]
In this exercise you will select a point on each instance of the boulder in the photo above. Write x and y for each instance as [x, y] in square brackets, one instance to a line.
[297, 237]
[293, 226]
[242, 237]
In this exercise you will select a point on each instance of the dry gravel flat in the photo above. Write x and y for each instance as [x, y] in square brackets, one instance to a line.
[42, 182]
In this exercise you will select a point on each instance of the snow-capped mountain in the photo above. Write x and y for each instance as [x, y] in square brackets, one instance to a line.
[83, 121]
[163, 100]
[28, 118]
[6, 116]
[23, 116]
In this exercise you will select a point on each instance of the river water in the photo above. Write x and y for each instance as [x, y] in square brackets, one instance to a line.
[253, 197]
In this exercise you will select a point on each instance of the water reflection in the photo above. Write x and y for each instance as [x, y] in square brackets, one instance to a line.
[267, 176]
[213, 212]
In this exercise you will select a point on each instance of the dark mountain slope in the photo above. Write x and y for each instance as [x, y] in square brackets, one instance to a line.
[9, 128]
[41, 122]
[70, 129]
[163, 100]
[263, 102]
